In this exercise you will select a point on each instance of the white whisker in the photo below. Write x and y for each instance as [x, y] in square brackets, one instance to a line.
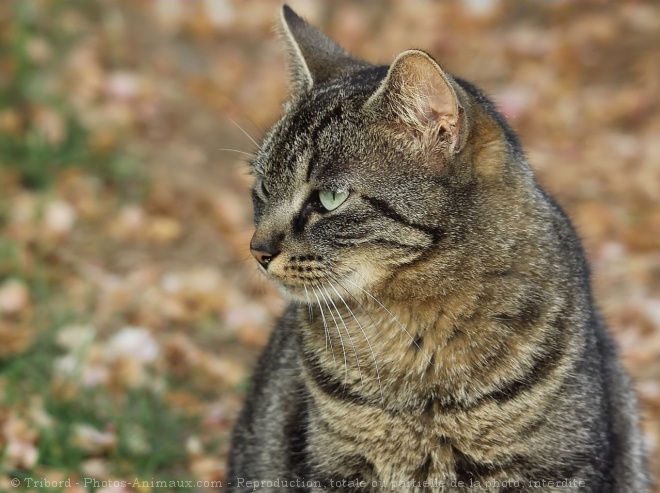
[242, 130]
[341, 339]
[382, 397]
[236, 150]
[309, 305]
[348, 332]
[325, 325]
[393, 318]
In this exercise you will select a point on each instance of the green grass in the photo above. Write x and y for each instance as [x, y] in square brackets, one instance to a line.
[136, 415]
[139, 415]
[24, 88]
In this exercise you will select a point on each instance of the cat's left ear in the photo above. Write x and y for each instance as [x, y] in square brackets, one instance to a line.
[313, 56]
[421, 98]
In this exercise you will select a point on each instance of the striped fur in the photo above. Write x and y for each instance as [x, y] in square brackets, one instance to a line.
[441, 326]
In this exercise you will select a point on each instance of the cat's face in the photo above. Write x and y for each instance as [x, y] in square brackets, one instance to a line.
[356, 181]
[325, 177]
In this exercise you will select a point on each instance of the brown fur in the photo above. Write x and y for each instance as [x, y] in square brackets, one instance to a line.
[441, 328]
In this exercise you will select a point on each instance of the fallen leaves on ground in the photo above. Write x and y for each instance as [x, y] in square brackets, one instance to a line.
[138, 269]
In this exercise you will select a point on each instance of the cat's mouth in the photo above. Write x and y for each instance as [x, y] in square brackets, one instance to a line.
[300, 277]
[308, 279]
[300, 287]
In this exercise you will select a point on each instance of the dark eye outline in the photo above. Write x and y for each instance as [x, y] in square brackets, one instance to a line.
[312, 205]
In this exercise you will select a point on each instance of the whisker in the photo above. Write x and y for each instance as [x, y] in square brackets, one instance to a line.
[259, 128]
[325, 325]
[380, 387]
[311, 316]
[373, 322]
[251, 154]
[393, 318]
[350, 338]
[341, 339]
[309, 306]
[243, 130]
[237, 262]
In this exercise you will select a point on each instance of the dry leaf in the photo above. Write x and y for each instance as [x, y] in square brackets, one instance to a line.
[163, 229]
[59, 219]
[92, 440]
[14, 297]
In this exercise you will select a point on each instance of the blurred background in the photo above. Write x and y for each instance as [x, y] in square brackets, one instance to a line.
[131, 312]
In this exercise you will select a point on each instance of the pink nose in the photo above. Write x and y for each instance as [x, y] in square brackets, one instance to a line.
[263, 257]
[264, 251]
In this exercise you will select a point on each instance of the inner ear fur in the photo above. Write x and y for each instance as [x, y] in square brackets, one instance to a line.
[421, 97]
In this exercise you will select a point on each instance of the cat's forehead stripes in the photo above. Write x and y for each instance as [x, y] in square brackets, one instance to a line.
[325, 108]
[331, 116]
[294, 157]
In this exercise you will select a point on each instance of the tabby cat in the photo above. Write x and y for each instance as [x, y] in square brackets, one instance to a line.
[441, 333]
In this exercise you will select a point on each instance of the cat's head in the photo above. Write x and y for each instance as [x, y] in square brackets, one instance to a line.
[376, 178]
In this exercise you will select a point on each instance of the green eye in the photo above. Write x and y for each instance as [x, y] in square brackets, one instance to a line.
[331, 199]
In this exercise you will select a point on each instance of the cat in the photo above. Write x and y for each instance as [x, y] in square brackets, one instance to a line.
[441, 333]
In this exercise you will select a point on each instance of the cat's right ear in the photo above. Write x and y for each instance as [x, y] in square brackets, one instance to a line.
[313, 56]
[421, 99]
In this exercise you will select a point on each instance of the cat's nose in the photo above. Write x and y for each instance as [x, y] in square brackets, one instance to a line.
[264, 253]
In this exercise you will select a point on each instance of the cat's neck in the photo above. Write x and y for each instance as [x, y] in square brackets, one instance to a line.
[456, 345]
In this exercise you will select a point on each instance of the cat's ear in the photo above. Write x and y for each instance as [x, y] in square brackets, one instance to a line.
[421, 97]
[313, 56]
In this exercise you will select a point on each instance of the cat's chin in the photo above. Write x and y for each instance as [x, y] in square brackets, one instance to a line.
[306, 294]
[339, 290]
[294, 292]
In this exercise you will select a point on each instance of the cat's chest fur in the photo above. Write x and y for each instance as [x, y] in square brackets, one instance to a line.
[407, 454]
[404, 416]
[403, 448]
